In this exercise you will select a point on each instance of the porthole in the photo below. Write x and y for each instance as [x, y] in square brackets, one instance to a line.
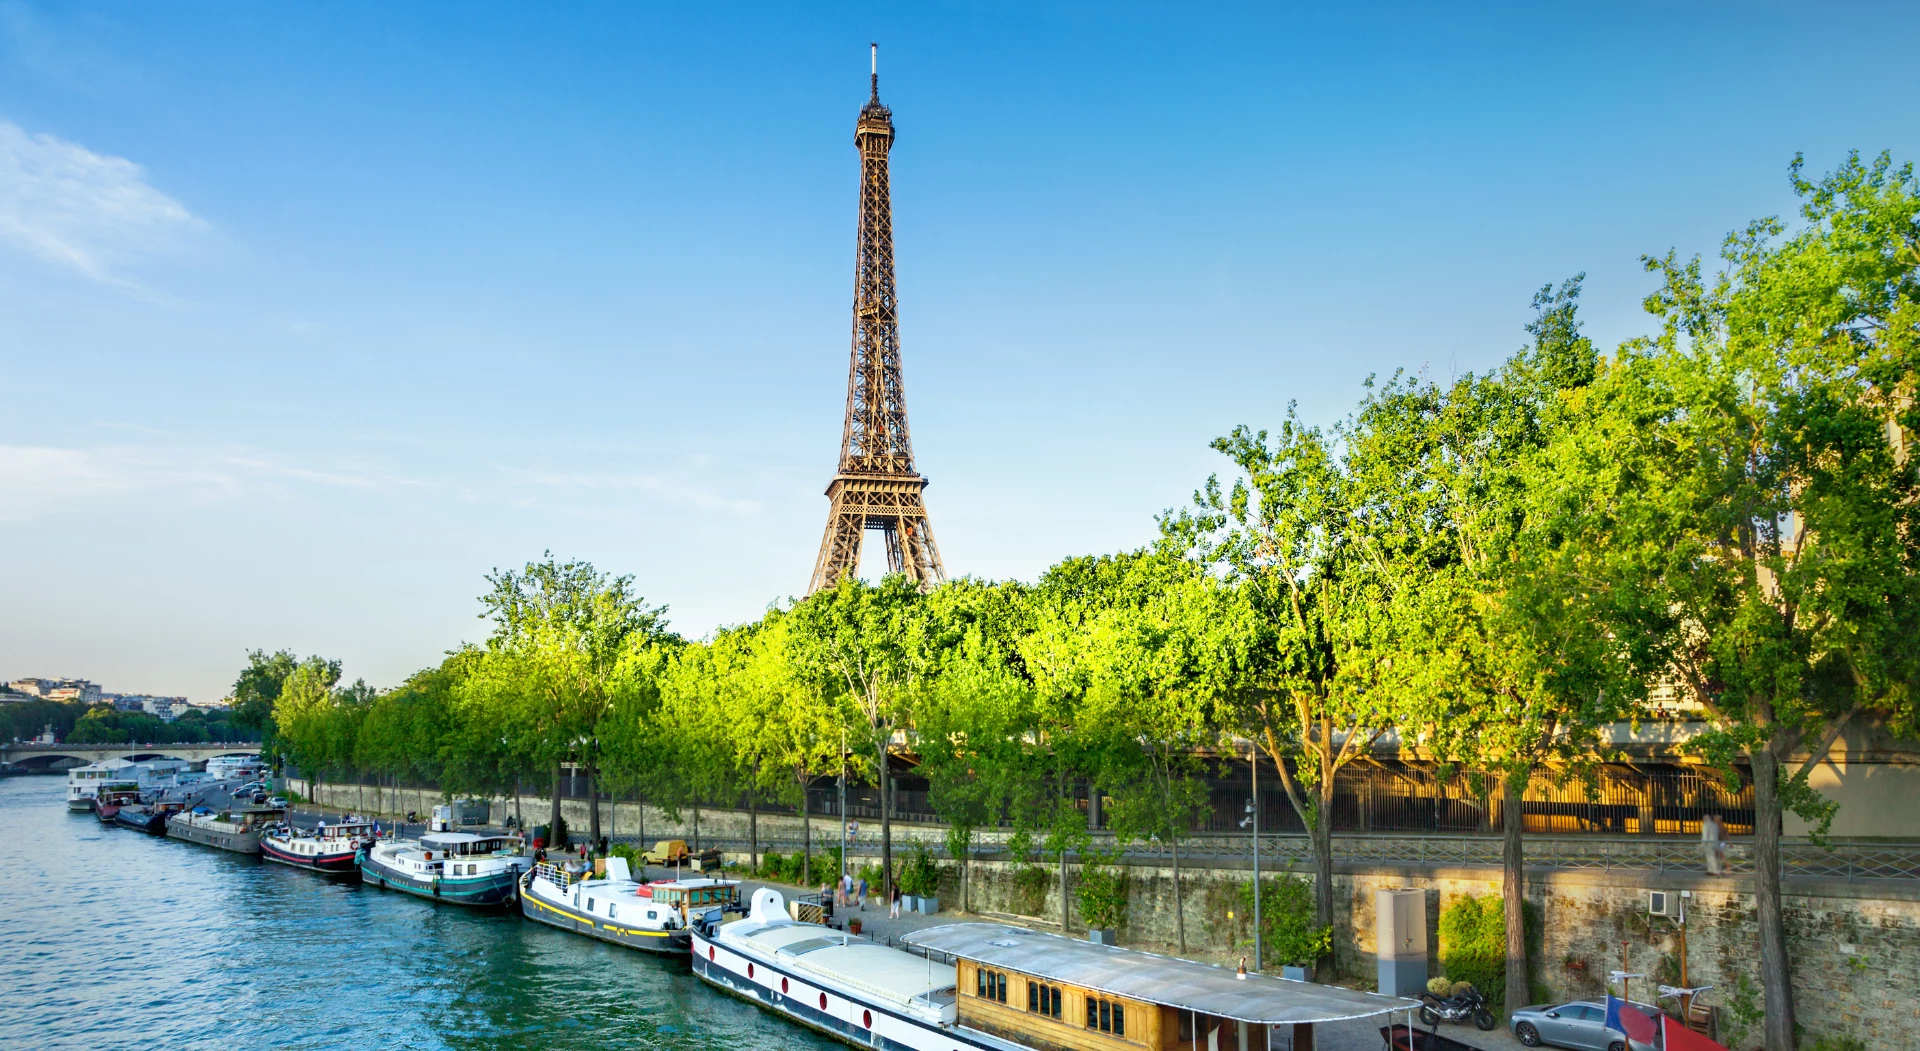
[783, 985]
[709, 952]
[866, 1019]
[823, 1001]
[749, 970]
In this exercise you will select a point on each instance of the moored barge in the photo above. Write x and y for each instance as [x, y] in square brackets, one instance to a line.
[463, 868]
[234, 828]
[331, 849]
[650, 917]
[999, 988]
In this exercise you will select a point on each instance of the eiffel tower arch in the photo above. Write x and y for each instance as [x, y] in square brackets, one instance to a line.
[877, 486]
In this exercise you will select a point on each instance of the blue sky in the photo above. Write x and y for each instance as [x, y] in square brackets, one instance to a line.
[310, 316]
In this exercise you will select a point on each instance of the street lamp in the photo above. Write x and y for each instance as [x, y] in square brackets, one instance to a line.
[1252, 820]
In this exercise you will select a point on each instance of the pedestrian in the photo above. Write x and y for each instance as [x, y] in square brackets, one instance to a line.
[863, 894]
[895, 912]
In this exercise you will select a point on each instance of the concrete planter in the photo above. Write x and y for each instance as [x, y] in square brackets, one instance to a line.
[926, 906]
[1103, 936]
[1297, 974]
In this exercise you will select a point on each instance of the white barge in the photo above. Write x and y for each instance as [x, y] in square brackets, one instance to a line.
[1013, 989]
[844, 986]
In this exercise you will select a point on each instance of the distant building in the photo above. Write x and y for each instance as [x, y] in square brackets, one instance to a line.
[58, 689]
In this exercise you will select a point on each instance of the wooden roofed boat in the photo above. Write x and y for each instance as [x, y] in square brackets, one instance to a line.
[1051, 993]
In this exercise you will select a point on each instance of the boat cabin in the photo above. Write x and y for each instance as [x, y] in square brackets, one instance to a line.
[1060, 994]
[692, 896]
[443, 845]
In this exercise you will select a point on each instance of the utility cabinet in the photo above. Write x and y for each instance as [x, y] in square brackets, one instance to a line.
[1400, 945]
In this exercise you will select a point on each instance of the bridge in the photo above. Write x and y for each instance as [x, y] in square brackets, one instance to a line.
[52, 758]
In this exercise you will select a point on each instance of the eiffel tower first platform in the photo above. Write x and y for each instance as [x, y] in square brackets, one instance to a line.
[877, 486]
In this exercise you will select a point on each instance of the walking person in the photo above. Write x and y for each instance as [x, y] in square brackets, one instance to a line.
[863, 894]
[894, 912]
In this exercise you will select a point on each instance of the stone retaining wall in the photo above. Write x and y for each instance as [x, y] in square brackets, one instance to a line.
[1855, 946]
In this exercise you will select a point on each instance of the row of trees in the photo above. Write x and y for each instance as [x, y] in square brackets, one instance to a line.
[80, 723]
[1489, 573]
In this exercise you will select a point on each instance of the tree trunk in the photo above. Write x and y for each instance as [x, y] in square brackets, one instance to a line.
[1513, 893]
[593, 804]
[517, 823]
[753, 833]
[1063, 890]
[1320, 833]
[1776, 977]
[1179, 912]
[553, 823]
[806, 841]
[696, 825]
[886, 828]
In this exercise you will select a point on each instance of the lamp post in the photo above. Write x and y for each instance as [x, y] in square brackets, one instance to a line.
[1253, 820]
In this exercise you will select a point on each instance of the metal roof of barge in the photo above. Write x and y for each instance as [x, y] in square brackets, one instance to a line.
[1151, 978]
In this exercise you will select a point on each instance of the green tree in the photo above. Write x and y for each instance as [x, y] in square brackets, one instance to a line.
[1750, 465]
[562, 651]
[867, 645]
[257, 688]
[1509, 656]
[1322, 588]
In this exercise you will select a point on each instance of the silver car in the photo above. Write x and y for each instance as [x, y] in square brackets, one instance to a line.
[1578, 1024]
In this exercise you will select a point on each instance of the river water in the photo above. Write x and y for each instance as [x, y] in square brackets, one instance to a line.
[113, 939]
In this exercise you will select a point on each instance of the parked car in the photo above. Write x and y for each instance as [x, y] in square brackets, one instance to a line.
[278, 801]
[1578, 1024]
[675, 852]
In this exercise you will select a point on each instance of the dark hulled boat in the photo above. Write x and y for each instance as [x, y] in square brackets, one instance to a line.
[330, 849]
[145, 817]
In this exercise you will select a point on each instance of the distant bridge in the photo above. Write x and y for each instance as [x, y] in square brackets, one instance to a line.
[47, 758]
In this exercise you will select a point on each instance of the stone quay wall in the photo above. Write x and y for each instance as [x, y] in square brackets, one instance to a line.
[1855, 945]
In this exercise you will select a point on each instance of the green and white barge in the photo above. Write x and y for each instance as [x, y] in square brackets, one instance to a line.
[463, 868]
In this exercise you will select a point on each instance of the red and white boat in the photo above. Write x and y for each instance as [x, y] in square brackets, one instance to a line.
[331, 849]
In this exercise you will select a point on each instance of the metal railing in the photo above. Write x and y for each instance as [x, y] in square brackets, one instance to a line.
[1842, 861]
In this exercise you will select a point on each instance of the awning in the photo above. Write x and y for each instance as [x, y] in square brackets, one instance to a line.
[1151, 978]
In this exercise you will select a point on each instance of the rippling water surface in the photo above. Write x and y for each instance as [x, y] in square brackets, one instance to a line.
[111, 938]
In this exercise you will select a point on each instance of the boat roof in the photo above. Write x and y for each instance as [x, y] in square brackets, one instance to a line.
[694, 884]
[1149, 977]
[460, 837]
[868, 966]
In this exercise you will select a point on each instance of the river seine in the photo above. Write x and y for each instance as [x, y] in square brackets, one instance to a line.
[115, 939]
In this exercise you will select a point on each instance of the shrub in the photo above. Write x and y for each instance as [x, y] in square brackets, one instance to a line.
[1473, 944]
[558, 834]
[1102, 892]
[1440, 985]
[626, 850]
[1030, 884]
[1288, 933]
[920, 876]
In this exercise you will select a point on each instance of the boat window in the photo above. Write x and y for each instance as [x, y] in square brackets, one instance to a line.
[1110, 1016]
[1043, 999]
[990, 985]
[653, 914]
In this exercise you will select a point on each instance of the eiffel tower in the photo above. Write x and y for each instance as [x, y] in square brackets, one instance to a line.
[877, 486]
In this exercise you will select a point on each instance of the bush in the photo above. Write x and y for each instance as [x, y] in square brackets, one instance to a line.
[1102, 892]
[1288, 932]
[1030, 885]
[558, 835]
[1473, 944]
[1440, 986]
[624, 850]
[920, 876]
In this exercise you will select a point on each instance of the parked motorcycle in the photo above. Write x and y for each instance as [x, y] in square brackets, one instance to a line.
[1456, 1008]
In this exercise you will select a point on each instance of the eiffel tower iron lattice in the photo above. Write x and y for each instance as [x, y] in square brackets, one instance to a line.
[877, 486]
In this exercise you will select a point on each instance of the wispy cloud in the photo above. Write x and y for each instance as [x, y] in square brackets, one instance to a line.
[37, 480]
[84, 211]
[649, 484]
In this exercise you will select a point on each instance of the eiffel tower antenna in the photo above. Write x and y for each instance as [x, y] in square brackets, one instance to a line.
[876, 486]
